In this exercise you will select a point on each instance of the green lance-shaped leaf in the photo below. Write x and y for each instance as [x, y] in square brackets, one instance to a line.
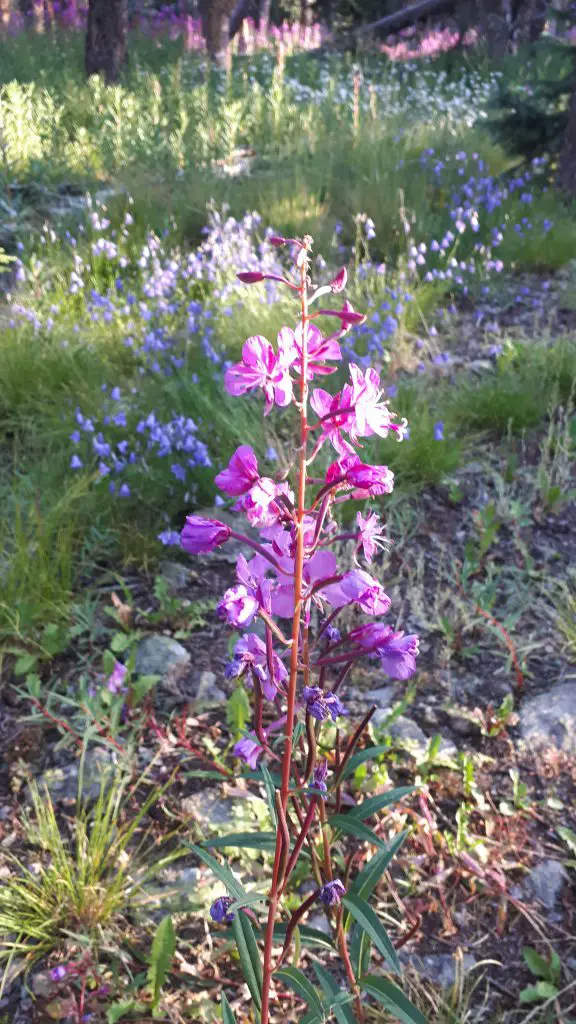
[222, 871]
[238, 711]
[360, 950]
[245, 840]
[249, 956]
[363, 755]
[342, 1011]
[161, 956]
[270, 791]
[293, 978]
[309, 936]
[392, 998]
[378, 802]
[227, 1015]
[248, 901]
[367, 879]
[353, 827]
[368, 920]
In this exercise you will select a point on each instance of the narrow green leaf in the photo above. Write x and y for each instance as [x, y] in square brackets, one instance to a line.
[343, 1012]
[376, 803]
[538, 993]
[161, 956]
[249, 901]
[309, 936]
[249, 956]
[363, 755]
[536, 963]
[245, 840]
[118, 1010]
[201, 773]
[392, 998]
[353, 827]
[360, 950]
[222, 871]
[568, 836]
[368, 920]
[293, 978]
[367, 879]
[270, 793]
[237, 711]
[227, 1015]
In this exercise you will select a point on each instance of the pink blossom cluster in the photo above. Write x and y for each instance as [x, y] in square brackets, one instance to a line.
[281, 578]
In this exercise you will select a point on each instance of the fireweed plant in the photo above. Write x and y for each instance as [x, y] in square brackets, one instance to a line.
[295, 676]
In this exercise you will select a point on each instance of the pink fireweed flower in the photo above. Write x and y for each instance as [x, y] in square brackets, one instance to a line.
[250, 655]
[318, 348]
[336, 415]
[359, 587]
[261, 368]
[370, 536]
[201, 535]
[115, 681]
[249, 750]
[397, 651]
[368, 481]
[237, 606]
[371, 415]
[241, 473]
[260, 505]
[321, 566]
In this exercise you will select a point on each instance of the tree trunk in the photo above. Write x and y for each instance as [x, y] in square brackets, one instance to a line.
[495, 27]
[409, 15]
[263, 12]
[106, 38]
[529, 20]
[567, 167]
[216, 16]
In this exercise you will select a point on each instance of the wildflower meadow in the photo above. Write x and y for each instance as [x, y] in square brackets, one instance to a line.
[287, 436]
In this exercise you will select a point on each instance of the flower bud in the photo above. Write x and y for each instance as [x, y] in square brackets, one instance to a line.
[338, 283]
[250, 276]
[219, 910]
[331, 894]
[201, 535]
[277, 240]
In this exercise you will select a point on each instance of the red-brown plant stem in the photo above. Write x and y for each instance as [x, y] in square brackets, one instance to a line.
[294, 652]
[300, 841]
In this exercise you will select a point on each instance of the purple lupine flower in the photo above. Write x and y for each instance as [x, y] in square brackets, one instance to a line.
[115, 681]
[241, 473]
[237, 607]
[248, 750]
[331, 893]
[76, 462]
[219, 910]
[201, 535]
[439, 431]
[322, 704]
[59, 973]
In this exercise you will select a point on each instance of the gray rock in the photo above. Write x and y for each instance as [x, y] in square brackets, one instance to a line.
[63, 783]
[409, 735]
[546, 882]
[550, 718]
[162, 656]
[320, 922]
[206, 693]
[210, 809]
[383, 697]
[440, 968]
[177, 577]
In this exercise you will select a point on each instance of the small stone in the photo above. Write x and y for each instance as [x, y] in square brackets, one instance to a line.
[550, 718]
[206, 694]
[546, 882]
[159, 655]
[440, 968]
[382, 697]
[210, 809]
[320, 922]
[177, 577]
[462, 725]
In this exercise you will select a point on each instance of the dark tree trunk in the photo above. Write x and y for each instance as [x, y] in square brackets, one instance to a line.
[263, 12]
[495, 27]
[106, 38]
[567, 165]
[216, 17]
